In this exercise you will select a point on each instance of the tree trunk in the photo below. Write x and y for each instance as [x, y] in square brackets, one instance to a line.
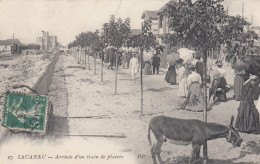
[141, 80]
[95, 64]
[85, 60]
[204, 51]
[88, 62]
[102, 62]
[116, 75]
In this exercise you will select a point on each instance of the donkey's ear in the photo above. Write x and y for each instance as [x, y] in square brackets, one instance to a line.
[232, 121]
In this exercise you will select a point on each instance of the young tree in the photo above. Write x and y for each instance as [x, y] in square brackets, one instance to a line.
[196, 24]
[116, 33]
[145, 40]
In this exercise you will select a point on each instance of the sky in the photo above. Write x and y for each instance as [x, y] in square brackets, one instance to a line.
[67, 18]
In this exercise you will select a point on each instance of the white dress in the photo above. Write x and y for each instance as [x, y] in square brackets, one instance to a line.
[182, 79]
[258, 104]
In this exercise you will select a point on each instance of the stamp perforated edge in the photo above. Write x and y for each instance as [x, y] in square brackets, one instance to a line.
[27, 130]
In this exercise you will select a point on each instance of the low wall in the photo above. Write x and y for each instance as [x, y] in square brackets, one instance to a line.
[43, 83]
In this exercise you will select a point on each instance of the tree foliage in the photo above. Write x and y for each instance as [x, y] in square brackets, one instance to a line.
[205, 24]
[144, 40]
[116, 32]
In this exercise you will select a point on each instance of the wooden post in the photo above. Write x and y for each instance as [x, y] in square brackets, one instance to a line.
[95, 63]
[141, 81]
[88, 61]
[205, 153]
[85, 56]
[102, 62]
[212, 56]
[116, 75]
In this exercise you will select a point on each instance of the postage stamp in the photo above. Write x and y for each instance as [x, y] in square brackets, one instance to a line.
[25, 112]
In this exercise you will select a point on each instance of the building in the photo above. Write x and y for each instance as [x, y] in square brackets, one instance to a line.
[163, 27]
[153, 17]
[47, 42]
[159, 20]
[6, 45]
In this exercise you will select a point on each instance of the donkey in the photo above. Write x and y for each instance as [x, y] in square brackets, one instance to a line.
[184, 132]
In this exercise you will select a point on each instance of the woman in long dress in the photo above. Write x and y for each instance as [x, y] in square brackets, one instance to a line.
[240, 77]
[248, 117]
[147, 68]
[194, 100]
[182, 73]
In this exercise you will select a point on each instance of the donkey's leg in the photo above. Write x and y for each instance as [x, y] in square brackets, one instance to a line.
[153, 155]
[198, 153]
[157, 149]
[195, 149]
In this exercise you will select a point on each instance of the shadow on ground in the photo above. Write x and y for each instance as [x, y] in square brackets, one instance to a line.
[61, 126]
[185, 160]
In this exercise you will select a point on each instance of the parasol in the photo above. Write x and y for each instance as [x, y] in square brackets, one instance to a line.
[147, 55]
[172, 58]
[186, 55]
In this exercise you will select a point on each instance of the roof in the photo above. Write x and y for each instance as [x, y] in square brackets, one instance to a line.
[10, 42]
[136, 31]
[171, 2]
[149, 14]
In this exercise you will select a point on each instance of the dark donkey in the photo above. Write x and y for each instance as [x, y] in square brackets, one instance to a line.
[184, 132]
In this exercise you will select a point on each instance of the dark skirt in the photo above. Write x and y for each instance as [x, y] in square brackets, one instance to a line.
[147, 68]
[248, 117]
[170, 76]
[238, 84]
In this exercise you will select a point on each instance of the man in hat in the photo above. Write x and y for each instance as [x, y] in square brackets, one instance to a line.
[156, 63]
[134, 65]
[219, 86]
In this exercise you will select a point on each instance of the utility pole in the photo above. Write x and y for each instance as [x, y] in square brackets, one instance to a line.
[243, 10]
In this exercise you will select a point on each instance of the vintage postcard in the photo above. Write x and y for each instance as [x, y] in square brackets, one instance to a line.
[129, 81]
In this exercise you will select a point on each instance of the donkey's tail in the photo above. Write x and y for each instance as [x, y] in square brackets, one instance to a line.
[148, 136]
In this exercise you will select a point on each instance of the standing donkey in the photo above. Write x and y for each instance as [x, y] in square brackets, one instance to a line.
[184, 132]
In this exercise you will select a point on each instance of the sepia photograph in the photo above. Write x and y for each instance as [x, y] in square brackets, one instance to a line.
[129, 81]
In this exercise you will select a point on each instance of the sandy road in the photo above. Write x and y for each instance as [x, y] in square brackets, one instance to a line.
[119, 115]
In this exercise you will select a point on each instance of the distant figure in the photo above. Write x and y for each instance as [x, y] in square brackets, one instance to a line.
[182, 73]
[194, 100]
[147, 68]
[111, 60]
[156, 63]
[170, 76]
[248, 116]
[134, 65]
[124, 60]
[199, 67]
[129, 57]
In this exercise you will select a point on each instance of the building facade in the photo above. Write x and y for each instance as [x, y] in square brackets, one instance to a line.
[47, 42]
[153, 17]
[159, 20]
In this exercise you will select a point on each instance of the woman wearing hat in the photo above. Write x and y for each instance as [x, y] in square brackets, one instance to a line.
[194, 100]
[248, 117]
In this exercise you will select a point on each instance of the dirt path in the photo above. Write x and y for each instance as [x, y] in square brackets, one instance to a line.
[88, 96]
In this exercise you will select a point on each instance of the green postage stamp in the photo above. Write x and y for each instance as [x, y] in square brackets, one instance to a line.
[25, 112]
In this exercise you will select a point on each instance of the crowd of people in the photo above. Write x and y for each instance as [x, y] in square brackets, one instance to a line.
[130, 59]
[189, 78]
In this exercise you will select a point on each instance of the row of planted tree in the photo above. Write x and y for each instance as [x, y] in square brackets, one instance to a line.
[202, 24]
